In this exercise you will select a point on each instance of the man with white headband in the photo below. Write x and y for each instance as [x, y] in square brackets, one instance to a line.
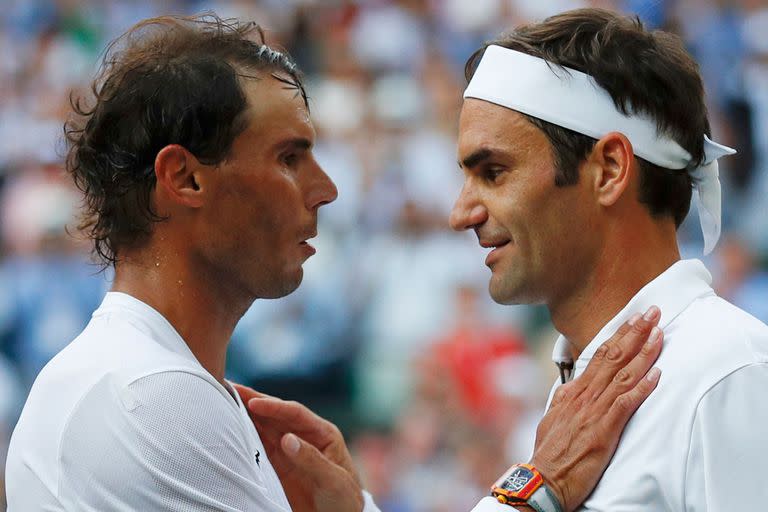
[582, 140]
[200, 187]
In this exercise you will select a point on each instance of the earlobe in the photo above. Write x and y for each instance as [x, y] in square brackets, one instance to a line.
[614, 158]
[175, 170]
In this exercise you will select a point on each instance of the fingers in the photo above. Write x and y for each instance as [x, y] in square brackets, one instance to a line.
[628, 376]
[625, 405]
[283, 410]
[333, 488]
[295, 416]
[305, 458]
[247, 393]
[610, 362]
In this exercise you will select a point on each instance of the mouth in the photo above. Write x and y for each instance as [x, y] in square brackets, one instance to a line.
[496, 246]
[304, 244]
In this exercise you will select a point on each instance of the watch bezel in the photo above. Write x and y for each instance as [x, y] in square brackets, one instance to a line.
[502, 490]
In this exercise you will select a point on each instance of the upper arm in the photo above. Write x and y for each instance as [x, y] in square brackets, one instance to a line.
[168, 441]
[728, 459]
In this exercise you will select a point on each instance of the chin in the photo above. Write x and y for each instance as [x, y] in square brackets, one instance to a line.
[506, 294]
[286, 285]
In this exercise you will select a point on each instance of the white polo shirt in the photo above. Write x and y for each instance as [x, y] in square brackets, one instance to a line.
[126, 419]
[700, 441]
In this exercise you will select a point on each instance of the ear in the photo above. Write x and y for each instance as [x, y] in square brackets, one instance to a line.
[176, 171]
[612, 161]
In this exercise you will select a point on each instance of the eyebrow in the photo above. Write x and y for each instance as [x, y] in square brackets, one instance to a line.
[475, 158]
[295, 143]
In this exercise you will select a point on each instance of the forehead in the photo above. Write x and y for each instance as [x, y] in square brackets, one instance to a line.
[485, 124]
[276, 110]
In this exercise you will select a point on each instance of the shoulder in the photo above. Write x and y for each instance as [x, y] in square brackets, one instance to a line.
[175, 399]
[716, 332]
[149, 434]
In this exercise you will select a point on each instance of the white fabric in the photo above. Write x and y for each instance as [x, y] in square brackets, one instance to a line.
[699, 442]
[126, 419]
[572, 99]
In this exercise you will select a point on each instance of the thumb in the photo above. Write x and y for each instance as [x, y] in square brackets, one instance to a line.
[305, 458]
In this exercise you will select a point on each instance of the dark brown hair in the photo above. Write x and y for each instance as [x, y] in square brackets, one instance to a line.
[645, 72]
[167, 80]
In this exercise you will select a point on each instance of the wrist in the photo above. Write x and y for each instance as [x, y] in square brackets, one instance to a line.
[522, 485]
[550, 477]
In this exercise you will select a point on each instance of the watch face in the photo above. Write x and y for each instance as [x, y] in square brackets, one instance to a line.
[517, 479]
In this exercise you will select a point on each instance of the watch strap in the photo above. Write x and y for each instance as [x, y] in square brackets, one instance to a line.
[542, 500]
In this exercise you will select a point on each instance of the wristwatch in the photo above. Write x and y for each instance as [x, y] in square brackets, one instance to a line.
[522, 484]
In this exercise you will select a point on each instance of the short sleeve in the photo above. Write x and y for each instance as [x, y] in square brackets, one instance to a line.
[168, 441]
[489, 504]
[727, 462]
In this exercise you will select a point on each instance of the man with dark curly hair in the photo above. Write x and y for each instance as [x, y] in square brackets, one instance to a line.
[201, 189]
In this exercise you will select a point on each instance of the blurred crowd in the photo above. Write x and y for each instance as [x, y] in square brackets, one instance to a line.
[392, 334]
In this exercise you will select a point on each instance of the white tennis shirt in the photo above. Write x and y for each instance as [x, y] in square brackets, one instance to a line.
[126, 419]
[700, 441]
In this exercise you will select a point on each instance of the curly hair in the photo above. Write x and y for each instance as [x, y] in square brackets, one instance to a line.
[647, 72]
[167, 80]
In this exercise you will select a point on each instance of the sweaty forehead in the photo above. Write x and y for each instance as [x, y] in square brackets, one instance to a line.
[276, 106]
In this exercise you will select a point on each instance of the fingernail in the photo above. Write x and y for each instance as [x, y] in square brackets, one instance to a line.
[653, 375]
[634, 319]
[650, 313]
[291, 444]
[655, 336]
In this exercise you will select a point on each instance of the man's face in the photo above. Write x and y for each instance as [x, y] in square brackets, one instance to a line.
[265, 196]
[538, 233]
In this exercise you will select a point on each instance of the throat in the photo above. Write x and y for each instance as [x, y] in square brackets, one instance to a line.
[582, 315]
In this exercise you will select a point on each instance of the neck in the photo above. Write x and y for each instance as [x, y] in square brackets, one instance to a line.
[192, 300]
[611, 284]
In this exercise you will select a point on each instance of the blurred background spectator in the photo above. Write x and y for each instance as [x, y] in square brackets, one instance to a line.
[392, 334]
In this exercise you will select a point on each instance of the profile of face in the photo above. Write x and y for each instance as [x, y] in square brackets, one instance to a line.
[538, 232]
[262, 201]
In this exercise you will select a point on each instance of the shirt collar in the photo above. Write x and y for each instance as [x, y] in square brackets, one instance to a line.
[672, 291]
[149, 320]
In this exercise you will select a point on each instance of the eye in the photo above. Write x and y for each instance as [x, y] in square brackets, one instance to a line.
[289, 159]
[492, 174]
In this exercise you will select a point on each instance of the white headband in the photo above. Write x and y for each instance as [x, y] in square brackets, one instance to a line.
[571, 99]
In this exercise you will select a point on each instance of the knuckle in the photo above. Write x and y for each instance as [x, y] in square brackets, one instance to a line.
[625, 403]
[334, 430]
[601, 351]
[293, 404]
[640, 327]
[561, 394]
[623, 378]
[613, 353]
[647, 350]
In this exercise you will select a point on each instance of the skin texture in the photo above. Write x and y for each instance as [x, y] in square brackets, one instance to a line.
[509, 197]
[574, 441]
[544, 232]
[233, 232]
[308, 453]
[565, 247]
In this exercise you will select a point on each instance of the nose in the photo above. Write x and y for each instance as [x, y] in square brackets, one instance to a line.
[322, 190]
[467, 212]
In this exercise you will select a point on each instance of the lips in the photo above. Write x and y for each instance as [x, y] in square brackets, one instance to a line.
[304, 244]
[497, 245]
[487, 244]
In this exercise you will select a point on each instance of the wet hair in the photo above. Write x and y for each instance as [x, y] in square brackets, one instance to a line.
[167, 80]
[646, 72]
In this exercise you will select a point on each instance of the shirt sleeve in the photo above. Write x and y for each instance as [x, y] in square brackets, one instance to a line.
[727, 461]
[168, 441]
[488, 504]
